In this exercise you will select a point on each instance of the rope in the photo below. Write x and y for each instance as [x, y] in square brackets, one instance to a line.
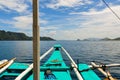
[111, 9]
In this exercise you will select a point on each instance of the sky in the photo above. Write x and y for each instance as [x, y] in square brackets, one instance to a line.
[63, 19]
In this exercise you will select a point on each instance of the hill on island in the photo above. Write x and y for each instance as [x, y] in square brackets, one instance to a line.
[109, 39]
[100, 39]
[18, 36]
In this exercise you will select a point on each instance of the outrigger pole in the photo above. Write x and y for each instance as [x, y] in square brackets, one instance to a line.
[107, 74]
[74, 65]
[31, 66]
[36, 41]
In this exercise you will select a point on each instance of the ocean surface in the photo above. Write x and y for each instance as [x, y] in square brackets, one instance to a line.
[105, 52]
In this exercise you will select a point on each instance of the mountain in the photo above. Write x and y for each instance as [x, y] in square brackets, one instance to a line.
[13, 36]
[106, 39]
[117, 38]
[18, 36]
[46, 39]
[78, 39]
[92, 39]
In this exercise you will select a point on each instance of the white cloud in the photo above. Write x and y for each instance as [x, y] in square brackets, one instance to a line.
[67, 3]
[48, 31]
[16, 5]
[95, 12]
[19, 23]
[1, 7]
[88, 1]
[100, 3]
[23, 22]
[92, 24]
[43, 21]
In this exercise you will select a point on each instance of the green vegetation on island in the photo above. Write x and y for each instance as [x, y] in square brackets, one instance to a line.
[46, 39]
[117, 38]
[18, 36]
[109, 39]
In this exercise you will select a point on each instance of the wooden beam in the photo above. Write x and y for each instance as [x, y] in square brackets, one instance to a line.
[36, 41]
[106, 74]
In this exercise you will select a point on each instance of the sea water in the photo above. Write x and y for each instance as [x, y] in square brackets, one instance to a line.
[105, 52]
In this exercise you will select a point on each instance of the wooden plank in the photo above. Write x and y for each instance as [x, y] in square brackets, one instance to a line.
[36, 41]
[3, 64]
[7, 65]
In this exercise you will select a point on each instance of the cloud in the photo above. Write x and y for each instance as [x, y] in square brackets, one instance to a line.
[91, 12]
[18, 24]
[99, 12]
[16, 5]
[67, 3]
[23, 22]
[48, 31]
[92, 24]
[100, 3]
[43, 21]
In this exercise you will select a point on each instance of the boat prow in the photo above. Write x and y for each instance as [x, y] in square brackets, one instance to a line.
[54, 68]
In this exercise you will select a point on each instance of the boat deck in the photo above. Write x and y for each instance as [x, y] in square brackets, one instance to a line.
[56, 64]
[87, 73]
[59, 74]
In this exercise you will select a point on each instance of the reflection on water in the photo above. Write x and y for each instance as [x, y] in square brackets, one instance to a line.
[85, 51]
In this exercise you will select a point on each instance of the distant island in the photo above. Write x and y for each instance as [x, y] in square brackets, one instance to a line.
[108, 39]
[98, 39]
[7, 35]
[46, 39]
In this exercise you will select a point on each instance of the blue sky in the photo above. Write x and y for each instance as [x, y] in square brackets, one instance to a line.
[62, 19]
